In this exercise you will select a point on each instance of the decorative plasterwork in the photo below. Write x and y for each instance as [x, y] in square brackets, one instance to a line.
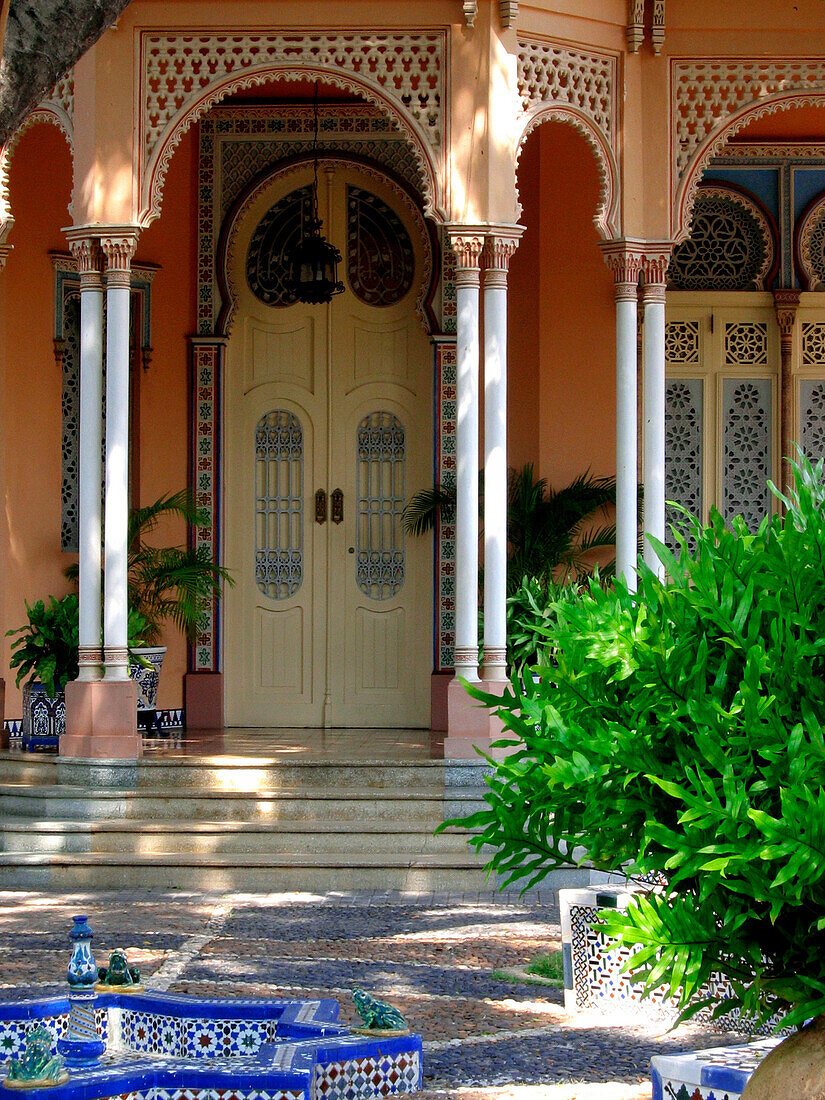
[625, 259]
[657, 33]
[470, 12]
[635, 25]
[712, 99]
[557, 81]
[508, 12]
[58, 109]
[810, 246]
[183, 75]
[731, 244]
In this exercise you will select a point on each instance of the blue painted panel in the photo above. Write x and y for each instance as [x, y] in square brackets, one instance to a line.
[763, 183]
[807, 184]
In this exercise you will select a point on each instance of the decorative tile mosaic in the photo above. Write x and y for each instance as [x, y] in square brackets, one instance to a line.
[173, 719]
[383, 1075]
[717, 1074]
[596, 979]
[224, 1038]
[445, 473]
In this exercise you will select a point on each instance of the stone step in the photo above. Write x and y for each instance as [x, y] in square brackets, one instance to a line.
[65, 803]
[219, 838]
[288, 871]
[235, 774]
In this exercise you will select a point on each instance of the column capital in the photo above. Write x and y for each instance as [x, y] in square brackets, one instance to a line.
[467, 241]
[86, 250]
[655, 262]
[499, 248]
[786, 307]
[119, 244]
[624, 258]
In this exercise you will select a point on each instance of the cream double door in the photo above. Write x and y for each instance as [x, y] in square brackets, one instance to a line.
[329, 431]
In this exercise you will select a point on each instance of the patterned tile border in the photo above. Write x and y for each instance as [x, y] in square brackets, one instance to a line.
[173, 719]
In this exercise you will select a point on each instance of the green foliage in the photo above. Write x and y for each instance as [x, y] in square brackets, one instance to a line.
[681, 730]
[532, 619]
[548, 966]
[171, 582]
[47, 647]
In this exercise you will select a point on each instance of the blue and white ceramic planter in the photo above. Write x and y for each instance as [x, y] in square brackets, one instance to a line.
[44, 718]
[146, 676]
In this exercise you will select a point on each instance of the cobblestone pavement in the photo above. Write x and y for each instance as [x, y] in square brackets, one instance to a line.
[435, 957]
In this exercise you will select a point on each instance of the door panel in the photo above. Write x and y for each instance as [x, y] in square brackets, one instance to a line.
[350, 645]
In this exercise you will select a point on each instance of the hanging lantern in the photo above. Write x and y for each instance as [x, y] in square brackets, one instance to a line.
[313, 266]
[313, 269]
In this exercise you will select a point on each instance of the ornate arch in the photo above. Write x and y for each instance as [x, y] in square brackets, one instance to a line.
[713, 100]
[733, 243]
[809, 245]
[57, 109]
[559, 82]
[234, 218]
[183, 75]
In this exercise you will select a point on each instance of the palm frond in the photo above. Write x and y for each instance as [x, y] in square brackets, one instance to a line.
[425, 507]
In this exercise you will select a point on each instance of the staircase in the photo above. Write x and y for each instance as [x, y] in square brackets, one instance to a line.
[217, 823]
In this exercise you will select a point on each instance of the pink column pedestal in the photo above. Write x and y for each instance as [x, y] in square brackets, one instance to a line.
[203, 700]
[470, 725]
[101, 721]
[4, 737]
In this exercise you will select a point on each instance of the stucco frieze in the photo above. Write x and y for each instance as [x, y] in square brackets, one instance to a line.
[183, 75]
[714, 98]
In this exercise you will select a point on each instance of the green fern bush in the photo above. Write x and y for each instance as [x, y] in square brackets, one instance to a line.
[679, 730]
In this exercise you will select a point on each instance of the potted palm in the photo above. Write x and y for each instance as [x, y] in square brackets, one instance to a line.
[174, 583]
[46, 652]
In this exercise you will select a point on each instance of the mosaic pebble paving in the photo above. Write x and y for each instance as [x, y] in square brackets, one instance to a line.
[433, 956]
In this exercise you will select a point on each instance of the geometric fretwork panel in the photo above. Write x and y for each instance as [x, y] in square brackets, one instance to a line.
[747, 457]
[381, 451]
[279, 504]
[683, 450]
[380, 261]
[682, 342]
[70, 406]
[730, 245]
[812, 418]
[813, 344]
[746, 343]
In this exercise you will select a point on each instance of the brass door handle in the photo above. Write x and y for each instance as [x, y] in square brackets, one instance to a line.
[321, 506]
[337, 503]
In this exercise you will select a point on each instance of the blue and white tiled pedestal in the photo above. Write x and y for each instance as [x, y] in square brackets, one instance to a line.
[717, 1074]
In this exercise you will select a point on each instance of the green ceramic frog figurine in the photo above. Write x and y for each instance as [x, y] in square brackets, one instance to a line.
[118, 972]
[378, 1015]
[37, 1063]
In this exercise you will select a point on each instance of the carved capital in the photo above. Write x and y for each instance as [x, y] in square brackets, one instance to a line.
[655, 261]
[467, 245]
[499, 250]
[118, 248]
[624, 258]
[786, 307]
[87, 255]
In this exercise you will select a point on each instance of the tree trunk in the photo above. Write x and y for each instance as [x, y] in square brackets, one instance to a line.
[43, 40]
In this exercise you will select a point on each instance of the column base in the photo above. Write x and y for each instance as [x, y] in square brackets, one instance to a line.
[4, 736]
[439, 686]
[203, 700]
[470, 725]
[101, 721]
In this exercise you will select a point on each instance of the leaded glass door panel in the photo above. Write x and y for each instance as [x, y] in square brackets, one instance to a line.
[328, 433]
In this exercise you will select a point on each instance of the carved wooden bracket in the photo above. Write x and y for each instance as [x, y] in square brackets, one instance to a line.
[636, 25]
[508, 12]
[470, 11]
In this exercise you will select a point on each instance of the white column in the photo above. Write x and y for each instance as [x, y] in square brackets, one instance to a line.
[653, 301]
[495, 261]
[90, 652]
[467, 246]
[119, 249]
[625, 262]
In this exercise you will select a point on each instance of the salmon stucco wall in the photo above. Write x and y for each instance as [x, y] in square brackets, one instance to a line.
[170, 242]
[562, 316]
[32, 564]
